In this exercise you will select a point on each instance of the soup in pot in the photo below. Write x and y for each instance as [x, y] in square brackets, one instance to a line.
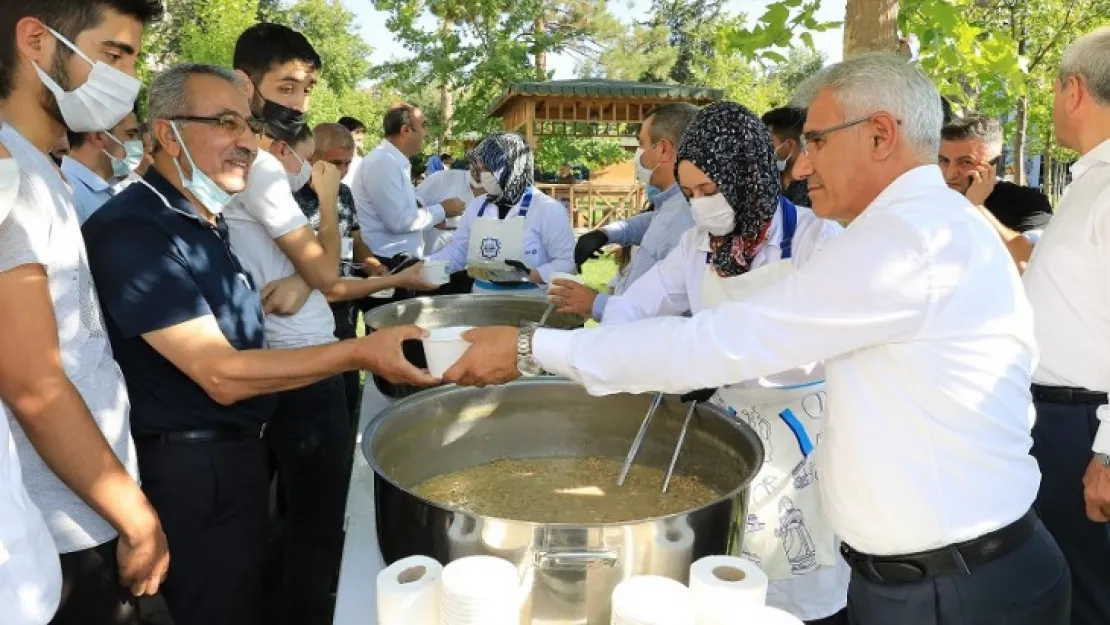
[566, 490]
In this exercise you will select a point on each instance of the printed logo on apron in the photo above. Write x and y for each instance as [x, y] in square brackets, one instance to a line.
[786, 532]
[494, 241]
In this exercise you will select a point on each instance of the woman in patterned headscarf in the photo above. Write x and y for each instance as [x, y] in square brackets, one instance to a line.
[746, 235]
[514, 238]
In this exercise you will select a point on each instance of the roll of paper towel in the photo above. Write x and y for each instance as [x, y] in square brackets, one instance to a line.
[725, 587]
[652, 600]
[409, 592]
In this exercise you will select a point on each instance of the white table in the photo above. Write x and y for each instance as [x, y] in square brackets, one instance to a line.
[357, 598]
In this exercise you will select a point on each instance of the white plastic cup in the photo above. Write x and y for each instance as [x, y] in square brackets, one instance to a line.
[435, 272]
[563, 276]
[444, 347]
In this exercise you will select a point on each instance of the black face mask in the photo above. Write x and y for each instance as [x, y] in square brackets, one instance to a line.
[282, 122]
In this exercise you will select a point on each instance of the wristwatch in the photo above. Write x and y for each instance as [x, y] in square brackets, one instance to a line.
[525, 363]
[1103, 459]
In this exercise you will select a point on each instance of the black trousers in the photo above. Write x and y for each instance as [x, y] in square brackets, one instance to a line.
[1028, 586]
[840, 618]
[91, 590]
[1062, 439]
[310, 436]
[212, 499]
[346, 319]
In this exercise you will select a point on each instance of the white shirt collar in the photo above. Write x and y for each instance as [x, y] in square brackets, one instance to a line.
[910, 184]
[1096, 157]
[76, 171]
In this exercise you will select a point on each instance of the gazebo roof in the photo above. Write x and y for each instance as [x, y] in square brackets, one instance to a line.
[589, 108]
[605, 90]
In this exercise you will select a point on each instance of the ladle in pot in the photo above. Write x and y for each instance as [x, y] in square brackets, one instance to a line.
[639, 441]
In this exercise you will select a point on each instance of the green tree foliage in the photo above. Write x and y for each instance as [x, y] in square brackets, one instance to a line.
[999, 57]
[208, 34]
[593, 153]
[476, 49]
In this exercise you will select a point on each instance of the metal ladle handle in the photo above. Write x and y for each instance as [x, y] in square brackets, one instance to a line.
[546, 314]
[636, 444]
[678, 447]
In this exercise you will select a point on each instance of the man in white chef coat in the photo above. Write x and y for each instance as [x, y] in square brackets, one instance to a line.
[927, 339]
[1067, 284]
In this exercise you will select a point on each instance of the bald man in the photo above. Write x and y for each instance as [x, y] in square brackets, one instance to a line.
[336, 145]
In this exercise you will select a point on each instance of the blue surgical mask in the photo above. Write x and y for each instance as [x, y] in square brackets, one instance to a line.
[200, 185]
[133, 153]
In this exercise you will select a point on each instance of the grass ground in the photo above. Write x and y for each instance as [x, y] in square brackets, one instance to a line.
[598, 273]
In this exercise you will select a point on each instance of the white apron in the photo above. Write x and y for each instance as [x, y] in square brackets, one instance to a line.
[786, 532]
[492, 242]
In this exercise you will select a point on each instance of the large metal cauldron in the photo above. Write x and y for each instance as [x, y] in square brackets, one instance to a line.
[568, 571]
[446, 311]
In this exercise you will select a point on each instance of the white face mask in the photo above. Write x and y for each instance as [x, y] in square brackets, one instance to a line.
[781, 163]
[102, 102]
[298, 180]
[9, 185]
[133, 153]
[713, 214]
[490, 184]
[200, 185]
[643, 174]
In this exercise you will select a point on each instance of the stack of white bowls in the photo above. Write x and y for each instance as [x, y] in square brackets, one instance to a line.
[652, 600]
[480, 590]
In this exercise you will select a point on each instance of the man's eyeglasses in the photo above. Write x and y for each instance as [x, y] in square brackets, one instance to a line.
[814, 139]
[230, 123]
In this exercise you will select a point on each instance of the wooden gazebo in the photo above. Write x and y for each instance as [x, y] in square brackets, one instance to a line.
[590, 108]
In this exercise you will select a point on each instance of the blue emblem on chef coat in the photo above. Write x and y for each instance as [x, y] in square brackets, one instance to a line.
[490, 248]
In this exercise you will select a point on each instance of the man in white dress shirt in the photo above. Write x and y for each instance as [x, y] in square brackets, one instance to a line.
[98, 161]
[656, 232]
[390, 218]
[927, 339]
[1067, 284]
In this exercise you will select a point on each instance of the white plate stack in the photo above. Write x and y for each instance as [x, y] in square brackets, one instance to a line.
[480, 590]
[652, 600]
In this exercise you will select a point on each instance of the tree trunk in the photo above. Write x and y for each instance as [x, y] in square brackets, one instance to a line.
[871, 25]
[541, 52]
[1021, 124]
[446, 98]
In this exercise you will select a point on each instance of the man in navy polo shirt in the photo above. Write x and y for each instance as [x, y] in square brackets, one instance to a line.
[186, 324]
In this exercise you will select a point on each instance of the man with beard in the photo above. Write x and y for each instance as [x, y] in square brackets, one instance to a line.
[69, 65]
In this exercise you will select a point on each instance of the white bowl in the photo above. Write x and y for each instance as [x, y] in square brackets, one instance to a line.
[435, 272]
[444, 347]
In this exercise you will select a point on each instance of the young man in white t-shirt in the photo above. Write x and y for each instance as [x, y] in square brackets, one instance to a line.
[62, 390]
[310, 433]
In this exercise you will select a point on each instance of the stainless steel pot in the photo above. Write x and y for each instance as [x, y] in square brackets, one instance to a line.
[568, 571]
[446, 311]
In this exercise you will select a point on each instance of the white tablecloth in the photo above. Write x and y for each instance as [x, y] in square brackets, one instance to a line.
[357, 599]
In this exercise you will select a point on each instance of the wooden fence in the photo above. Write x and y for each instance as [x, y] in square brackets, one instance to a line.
[594, 205]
